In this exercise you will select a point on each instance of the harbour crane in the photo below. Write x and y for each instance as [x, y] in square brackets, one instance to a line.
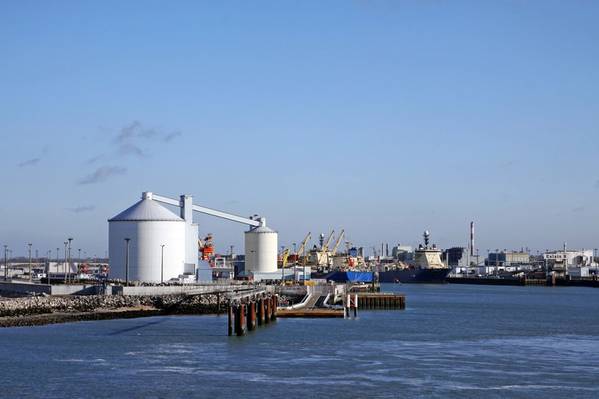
[284, 257]
[302, 247]
[325, 246]
[336, 246]
[325, 249]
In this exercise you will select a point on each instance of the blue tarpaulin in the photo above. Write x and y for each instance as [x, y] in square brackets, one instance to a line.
[352, 277]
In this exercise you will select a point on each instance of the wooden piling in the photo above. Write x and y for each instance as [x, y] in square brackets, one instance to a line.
[240, 320]
[230, 319]
[251, 321]
[267, 310]
[260, 311]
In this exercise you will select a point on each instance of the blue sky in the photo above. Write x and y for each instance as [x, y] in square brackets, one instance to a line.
[380, 117]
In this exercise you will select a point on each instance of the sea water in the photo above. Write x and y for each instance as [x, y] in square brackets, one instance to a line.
[452, 341]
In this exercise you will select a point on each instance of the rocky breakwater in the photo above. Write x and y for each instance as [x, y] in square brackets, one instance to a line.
[53, 309]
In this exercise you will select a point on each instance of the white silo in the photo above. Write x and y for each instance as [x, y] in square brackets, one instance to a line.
[149, 226]
[261, 244]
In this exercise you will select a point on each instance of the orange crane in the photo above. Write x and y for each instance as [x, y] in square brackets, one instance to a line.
[206, 247]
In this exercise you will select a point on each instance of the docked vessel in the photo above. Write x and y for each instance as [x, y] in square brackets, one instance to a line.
[427, 267]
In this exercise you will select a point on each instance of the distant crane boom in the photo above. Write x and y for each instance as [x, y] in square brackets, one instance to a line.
[328, 241]
[302, 247]
[336, 246]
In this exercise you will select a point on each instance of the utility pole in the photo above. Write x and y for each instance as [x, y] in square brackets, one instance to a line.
[30, 276]
[162, 263]
[127, 262]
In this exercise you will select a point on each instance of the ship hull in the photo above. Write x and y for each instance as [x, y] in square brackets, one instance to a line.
[436, 276]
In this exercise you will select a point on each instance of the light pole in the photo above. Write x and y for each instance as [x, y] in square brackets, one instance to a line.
[127, 262]
[70, 259]
[162, 263]
[5, 262]
[30, 276]
[65, 261]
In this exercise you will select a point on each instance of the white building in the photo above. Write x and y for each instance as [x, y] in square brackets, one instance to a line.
[572, 258]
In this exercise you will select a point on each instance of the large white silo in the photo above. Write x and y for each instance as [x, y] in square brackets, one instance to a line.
[261, 244]
[149, 226]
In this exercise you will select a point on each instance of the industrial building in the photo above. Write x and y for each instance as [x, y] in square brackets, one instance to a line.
[572, 258]
[149, 243]
[507, 258]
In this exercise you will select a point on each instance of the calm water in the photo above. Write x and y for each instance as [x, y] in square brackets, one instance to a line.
[452, 342]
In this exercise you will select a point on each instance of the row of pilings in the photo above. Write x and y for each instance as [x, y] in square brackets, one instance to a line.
[248, 313]
[382, 301]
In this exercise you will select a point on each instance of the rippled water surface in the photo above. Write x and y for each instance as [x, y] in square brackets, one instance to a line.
[451, 342]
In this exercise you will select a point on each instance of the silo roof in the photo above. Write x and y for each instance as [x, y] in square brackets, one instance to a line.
[261, 229]
[146, 210]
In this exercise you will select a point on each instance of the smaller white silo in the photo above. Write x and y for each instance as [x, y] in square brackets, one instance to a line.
[261, 244]
[148, 226]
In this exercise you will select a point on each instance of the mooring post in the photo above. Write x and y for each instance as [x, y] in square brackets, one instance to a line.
[275, 300]
[218, 303]
[251, 316]
[237, 310]
[267, 310]
[230, 318]
[260, 311]
[356, 306]
[241, 323]
[348, 306]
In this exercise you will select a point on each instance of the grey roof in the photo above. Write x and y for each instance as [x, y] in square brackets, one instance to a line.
[261, 229]
[146, 210]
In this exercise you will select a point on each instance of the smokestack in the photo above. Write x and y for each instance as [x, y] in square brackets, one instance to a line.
[472, 239]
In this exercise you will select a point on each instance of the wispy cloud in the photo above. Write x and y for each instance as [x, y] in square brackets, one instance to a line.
[130, 149]
[82, 208]
[29, 162]
[136, 130]
[102, 174]
[94, 159]
[578, 209]
[171, 136]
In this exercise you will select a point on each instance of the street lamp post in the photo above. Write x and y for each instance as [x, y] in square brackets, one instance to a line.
[30, 276]
[65, 261]
[162, 263]
[70, 259]
[5, 262]
[127, 262]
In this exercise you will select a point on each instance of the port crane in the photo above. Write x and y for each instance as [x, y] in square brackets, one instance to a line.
[322, 256]
[206, 247]
[301, 250]
[336, 246]
[284, 257]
